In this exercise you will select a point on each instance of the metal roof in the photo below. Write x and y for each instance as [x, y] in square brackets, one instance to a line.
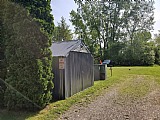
[64, 47]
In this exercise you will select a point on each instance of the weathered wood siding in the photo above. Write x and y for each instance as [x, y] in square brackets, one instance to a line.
[59, 79]
[77, 75]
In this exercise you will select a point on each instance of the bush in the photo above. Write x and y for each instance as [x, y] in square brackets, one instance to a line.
[29, 61]
[2, 58]
[2, 90]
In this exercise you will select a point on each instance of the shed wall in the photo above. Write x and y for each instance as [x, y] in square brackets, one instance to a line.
[58, 80]
[77, 75]
[79, 72]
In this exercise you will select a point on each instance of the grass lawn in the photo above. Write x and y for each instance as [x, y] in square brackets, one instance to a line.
[120, 74]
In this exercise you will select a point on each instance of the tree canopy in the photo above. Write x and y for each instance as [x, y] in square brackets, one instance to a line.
[62, 31]
[108, 27]
[41, 11]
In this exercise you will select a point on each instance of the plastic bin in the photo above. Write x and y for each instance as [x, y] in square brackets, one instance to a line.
[100, 72]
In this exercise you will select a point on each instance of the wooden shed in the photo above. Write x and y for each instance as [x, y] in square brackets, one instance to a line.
[72, 68]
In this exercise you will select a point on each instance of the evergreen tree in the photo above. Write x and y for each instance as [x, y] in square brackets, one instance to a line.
[29, 76]
[62, 31]
[2, 57]
[41, 11]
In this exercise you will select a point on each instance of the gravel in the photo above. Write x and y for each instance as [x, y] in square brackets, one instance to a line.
[114, 106]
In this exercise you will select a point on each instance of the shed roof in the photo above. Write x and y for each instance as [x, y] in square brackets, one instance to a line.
[64, 47]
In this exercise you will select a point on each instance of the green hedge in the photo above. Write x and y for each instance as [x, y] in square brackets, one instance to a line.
[28, 57]
[2, 58]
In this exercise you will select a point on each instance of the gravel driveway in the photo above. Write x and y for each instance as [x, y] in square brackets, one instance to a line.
[115, 104]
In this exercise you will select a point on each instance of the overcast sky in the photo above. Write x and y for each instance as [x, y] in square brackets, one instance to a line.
[63, 8]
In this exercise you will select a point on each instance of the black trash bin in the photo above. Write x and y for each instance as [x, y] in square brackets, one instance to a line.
[100, 72]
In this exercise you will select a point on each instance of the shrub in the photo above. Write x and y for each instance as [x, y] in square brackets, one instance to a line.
[28, 56]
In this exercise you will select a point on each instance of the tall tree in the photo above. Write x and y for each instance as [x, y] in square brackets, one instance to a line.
[62, 31]
[99, 22]
[41, 11]
[138, 17]
[29, 76]
[113, 22]
[87, 25]
[114, 34]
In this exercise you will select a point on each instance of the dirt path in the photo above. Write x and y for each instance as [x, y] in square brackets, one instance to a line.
[138, 98]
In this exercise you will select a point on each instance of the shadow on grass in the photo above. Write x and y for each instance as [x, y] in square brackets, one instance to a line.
[15, 115]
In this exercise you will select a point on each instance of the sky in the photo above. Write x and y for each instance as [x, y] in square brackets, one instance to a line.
[63, 8]
[157, 16]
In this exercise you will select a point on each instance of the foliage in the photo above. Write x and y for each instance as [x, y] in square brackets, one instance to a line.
[29, 76]
[138, 17]
[108, 27]
[157, 55]
[41, 11]
[62, 31]
[157, 38]
[2, 57]
[87, 26]
[157, 49]
[141, 52]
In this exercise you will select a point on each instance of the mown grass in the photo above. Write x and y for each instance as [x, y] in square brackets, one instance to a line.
[53, 110]
[140, 81]
[136, 86]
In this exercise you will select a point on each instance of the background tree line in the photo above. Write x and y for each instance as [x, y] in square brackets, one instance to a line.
[117, 30]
